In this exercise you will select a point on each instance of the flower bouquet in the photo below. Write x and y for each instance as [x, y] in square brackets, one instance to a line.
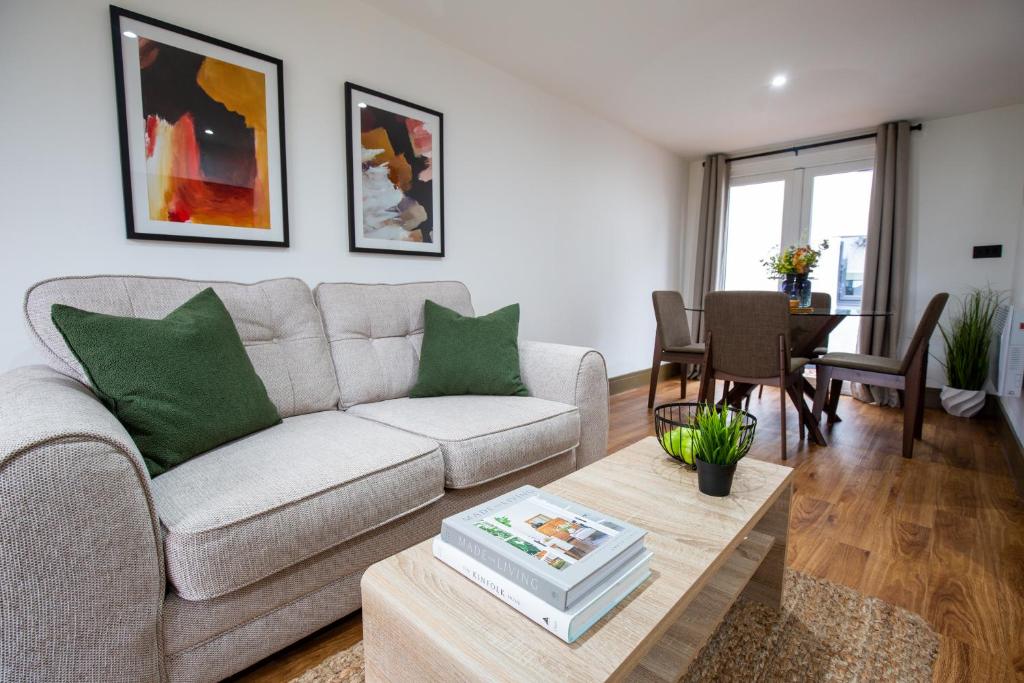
[793, 266]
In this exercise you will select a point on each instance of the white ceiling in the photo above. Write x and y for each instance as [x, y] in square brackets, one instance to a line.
[693, 75]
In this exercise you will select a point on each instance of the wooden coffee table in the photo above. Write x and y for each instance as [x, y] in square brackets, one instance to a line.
[422, 621]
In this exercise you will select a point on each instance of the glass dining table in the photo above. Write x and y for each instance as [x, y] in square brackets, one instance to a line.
[808, 330]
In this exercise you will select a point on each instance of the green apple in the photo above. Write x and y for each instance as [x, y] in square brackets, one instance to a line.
[679, 443]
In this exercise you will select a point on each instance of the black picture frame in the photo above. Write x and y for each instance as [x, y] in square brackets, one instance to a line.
[354, 176]
[279, 176]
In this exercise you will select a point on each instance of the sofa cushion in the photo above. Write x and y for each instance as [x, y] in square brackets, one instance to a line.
[276, 319]
[250, 508]
[482, 437]
[180, 385]
[375, 333]
[466, 355]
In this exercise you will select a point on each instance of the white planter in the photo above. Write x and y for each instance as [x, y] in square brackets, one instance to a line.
[962, 402]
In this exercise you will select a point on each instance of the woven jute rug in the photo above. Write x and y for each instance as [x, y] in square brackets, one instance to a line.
[825, 632]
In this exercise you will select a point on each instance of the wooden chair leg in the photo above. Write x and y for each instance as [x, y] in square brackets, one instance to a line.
[706, 383]
[824, 373]
[922, 379]
[798, 399]
[796, 396]
[782, 420]
[909, 416]
[783, 375]
[655, 371]
[913, 405]
[911, 396]
[834, 391]
[684, 370]
[760, 392]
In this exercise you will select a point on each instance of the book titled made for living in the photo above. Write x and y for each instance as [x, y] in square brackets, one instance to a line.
[556, 549]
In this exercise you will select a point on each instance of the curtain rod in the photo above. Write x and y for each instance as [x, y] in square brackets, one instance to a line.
[798, 148]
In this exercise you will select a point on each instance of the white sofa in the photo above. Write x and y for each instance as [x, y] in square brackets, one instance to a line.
[108, 574]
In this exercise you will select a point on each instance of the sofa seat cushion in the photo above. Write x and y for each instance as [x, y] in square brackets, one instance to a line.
[252, 507]
[482, 437]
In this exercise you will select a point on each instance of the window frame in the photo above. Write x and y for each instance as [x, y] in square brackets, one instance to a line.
[798, 171]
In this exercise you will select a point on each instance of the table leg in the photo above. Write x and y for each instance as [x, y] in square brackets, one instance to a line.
[766, 585]
[739, 393]
[812, 425]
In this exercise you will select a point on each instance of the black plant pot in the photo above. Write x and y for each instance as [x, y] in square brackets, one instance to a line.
[714, 480]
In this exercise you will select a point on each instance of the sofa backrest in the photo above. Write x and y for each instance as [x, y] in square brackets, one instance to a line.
[375, 333]
[276, 319]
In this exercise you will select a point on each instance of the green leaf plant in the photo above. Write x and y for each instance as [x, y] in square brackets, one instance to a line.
[968, 339]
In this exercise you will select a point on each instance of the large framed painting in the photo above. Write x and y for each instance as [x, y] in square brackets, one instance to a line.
[202, 136]
[395, 175]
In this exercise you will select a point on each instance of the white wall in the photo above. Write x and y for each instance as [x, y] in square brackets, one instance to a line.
[570, 215]
[966, 189]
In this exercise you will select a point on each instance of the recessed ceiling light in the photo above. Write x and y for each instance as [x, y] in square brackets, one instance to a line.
[779, 81]
[129, 34]
[208, 131]
[362, 105]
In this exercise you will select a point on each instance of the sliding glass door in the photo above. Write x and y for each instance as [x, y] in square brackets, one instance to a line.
[771, 210]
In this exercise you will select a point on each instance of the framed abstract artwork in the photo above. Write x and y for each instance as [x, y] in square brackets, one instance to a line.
[395, 175]
[202, 136]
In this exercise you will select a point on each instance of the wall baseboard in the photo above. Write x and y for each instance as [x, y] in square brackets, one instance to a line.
[640, 378]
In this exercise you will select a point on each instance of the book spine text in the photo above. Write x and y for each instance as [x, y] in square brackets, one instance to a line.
[514, 572]
[512, 595]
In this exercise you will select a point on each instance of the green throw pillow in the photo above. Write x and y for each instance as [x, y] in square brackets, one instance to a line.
[180, 386]
[463, 355]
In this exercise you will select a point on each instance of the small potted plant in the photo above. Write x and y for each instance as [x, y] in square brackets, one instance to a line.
[722, 436]
[793, 266]
[968, 341]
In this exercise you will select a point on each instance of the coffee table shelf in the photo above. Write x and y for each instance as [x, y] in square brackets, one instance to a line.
[669, 659]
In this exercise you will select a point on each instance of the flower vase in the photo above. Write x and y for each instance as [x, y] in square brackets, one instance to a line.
[802, 290]
[787, 286]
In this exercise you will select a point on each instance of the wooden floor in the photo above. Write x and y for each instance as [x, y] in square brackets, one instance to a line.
[941, 535]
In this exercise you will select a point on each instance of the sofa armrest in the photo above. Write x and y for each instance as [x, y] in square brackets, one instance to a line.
[81, 573]
[573, 375]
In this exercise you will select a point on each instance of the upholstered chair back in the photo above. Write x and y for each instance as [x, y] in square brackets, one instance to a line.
[673, 330]
[744, 330]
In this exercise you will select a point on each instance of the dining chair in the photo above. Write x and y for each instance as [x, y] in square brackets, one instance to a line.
[906, 375]
[672, 342]
[748, 343]
[819, 301]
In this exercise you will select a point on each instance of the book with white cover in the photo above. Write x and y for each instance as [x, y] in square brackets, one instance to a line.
[568, 625]
[557, 549]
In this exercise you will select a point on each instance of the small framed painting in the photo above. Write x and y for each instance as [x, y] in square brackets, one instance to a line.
[395, 175]
[202, 136]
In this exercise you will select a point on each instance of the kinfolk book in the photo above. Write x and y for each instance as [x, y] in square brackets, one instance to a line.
[566, 625]
[555, 549]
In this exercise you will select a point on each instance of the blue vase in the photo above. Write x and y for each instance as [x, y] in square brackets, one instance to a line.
[802, 291]
[788, 286]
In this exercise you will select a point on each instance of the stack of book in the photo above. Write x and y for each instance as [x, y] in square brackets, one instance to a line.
[559, 563]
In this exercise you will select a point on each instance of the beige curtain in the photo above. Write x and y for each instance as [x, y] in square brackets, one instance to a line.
[709, 232]
[885, 260]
